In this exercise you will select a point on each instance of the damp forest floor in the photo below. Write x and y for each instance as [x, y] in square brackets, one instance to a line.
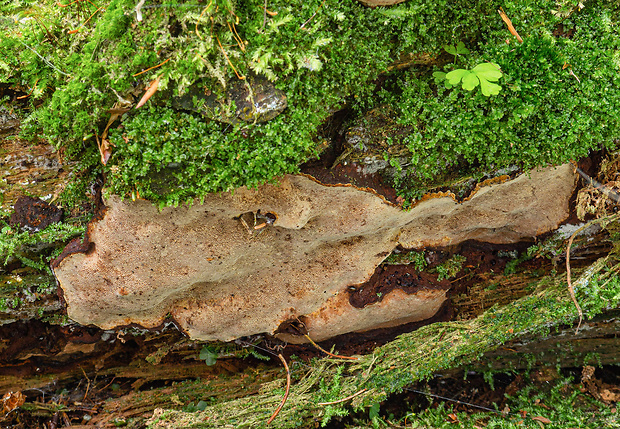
[503, 353]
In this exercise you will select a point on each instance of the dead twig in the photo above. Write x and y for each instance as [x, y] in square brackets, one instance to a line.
[151, 68]
[343, 399]
[326, 352]
[228, 59]
[21, 97]
[317, 346]
[202, 13]
[571, 290]
[85, 22]
[264, 17]
[236, 36]
[508, 22]
[610, 194]
[87, 385]
[288, 388]
[313, 15]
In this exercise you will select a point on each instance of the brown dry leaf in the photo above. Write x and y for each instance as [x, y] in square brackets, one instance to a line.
[541, 419]
[12, 400]
[105, 150]
[453, 418]
[152, 89]
[105, 147]
[609, 396]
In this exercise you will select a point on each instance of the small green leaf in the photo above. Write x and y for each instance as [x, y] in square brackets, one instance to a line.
[461, 49]
[373, 412]
[439, 77]
[488, 71]
[455, 76]
[489, 88]
[208, 355]
[450, 49]
[470, 81]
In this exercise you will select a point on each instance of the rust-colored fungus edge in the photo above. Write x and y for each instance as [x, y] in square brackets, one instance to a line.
[77, 245]
[428, 196]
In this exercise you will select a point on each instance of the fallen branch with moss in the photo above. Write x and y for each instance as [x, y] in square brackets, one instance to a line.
[409, 358]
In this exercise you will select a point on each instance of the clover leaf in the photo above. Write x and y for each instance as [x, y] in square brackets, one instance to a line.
[209, 355]
[456, 50]
[483, 74]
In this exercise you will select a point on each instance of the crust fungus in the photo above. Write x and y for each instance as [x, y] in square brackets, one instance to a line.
[243, 263]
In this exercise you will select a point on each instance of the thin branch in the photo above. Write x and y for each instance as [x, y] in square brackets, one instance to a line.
[288, 388]
[611, 194]
[343, 399]
[571, 290]
[44, 59]
[236, 36]
[200, 17]
[85, 22]
[605, 190]
[313, 15]
[138, 10]
[228, 59]
[264, 17]
[21, 97]
[87, 385]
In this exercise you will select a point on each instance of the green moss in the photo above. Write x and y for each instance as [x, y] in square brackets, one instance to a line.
[450, 268]
[543, 115]
[23, 245]
[564, 405]
[306, 50]
[418, 259]
[29, 288]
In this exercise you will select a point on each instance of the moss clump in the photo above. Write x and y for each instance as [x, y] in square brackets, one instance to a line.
[564, 405]
[35, 249]
[322, 54]
[558, 89]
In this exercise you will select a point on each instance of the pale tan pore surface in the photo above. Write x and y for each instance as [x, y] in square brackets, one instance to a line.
[200, 265]
[396, 308]
[525, 207]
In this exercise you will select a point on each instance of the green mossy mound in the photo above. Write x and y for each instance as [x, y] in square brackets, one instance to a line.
[559, 96]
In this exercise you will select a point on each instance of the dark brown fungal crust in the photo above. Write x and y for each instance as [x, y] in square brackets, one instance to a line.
[34, 214]
[80, 245]
[390, 277]
[350, 175]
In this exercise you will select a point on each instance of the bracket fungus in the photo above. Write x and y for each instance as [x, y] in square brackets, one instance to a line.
[244, 263]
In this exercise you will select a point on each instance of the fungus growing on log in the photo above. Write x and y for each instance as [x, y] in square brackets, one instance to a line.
[222, 274]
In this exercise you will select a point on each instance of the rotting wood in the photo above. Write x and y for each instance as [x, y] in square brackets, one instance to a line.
[596, 342]
[411, 357]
